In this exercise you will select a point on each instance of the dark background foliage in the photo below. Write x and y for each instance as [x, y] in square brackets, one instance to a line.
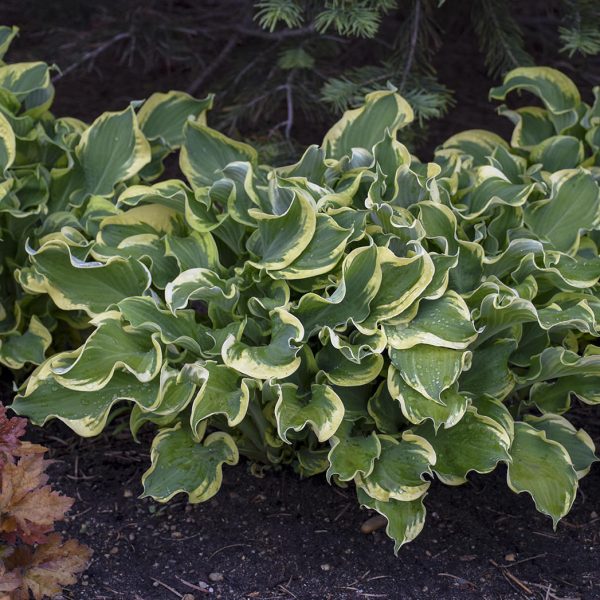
[282, 88]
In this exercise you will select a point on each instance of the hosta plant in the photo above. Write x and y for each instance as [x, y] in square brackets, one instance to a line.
[388, 322]
[35, 561]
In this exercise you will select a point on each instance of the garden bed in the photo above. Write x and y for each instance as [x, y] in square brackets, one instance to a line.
[275, 536]
[280, 537]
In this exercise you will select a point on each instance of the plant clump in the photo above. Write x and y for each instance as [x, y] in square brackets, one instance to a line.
[391, 323]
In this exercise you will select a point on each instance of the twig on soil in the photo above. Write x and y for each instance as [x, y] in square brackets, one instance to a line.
[508, 575]
[79, 514]
[183, 539]
[167, 587]
[550, 594]
[518, 562]
[462, 580]
[59, 440]
[544, 534]
[225, 548]
[284, 589]
[192, 586]
[580, 525]
[342, 512]
[441, 552]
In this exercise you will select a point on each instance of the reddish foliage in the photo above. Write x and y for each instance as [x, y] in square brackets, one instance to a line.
[34, 561]
[11, 430]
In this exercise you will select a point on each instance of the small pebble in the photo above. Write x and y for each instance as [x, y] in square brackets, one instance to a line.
[326, 567]
[127, 493]
[216, 577]
[188, 597]
[510, 557]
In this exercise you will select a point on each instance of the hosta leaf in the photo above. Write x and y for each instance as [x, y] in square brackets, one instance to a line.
[402, 281]
[385, 409]
[558, 152]
[430, 370]
[200, 284]
[532, 126]
[542, 468]
[112, 149]
[280, 239]
[558, 93]
[324, 250]
[500, 310]
[176, 392]
[557, 372]
[76, 285]
[572, 207]
[7, 144]
[352, 453]
[206, 152]
[164, 115]
[276, 359]
[30, 84]
[477, 144]
[526, 257]
[222, 391]
[341, 371]
[358, 346]
[29, 347]
[181, 329]
[492, 187]
[7, 35]
[365, 126]
[494, 409]
[110, 347]
[577, 443]
[181, 464]
[444, 322]
[312, 462]
[238, 190]
[475, 443]
[148, 249]
[85, 413]
[418, 408]
[490, 372]
[143, 219]
[197, 250]
[361, 278]
[405, 520]
[322, 409]
[398, 472]
[170, 193]
[555, 396]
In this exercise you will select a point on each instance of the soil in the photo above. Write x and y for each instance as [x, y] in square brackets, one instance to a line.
[278, 537]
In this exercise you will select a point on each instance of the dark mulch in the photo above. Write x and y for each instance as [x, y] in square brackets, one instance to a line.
[279, 537]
